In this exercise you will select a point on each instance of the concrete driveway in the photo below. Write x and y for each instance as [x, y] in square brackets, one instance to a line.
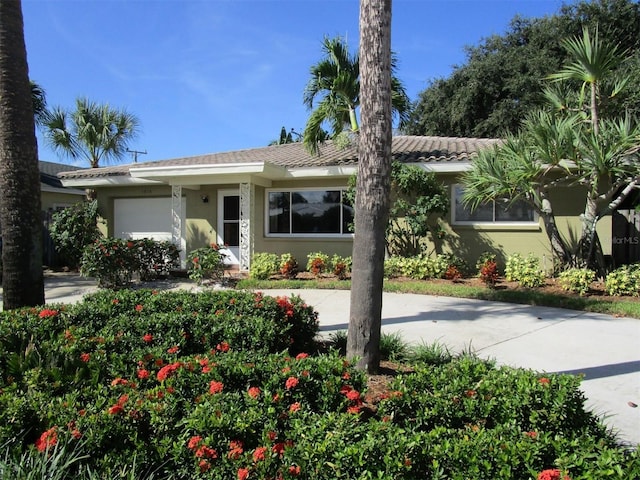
[603, 348]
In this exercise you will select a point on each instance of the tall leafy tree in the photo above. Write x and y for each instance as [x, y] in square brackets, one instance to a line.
[373, 184]
[333, 94]
[94, 132]
[20, 217]
[503, 76]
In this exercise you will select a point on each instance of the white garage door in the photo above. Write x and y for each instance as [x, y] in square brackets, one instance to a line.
[146, 218]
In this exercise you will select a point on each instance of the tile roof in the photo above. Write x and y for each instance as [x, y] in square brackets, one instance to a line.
[405, 148]
[49, 173]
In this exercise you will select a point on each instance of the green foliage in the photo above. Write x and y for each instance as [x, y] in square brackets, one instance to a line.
[577, 280]
[176, 385]
[419, 199]
[500, 81]
[317, 263]
[393, 347]
[525, 271]
[435, 353]
[422, 267]
[624, 280]
[73, 228]
[113, 261]
[206, 263]
[263, 265]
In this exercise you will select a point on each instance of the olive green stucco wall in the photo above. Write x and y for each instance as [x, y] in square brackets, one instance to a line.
[466, 241]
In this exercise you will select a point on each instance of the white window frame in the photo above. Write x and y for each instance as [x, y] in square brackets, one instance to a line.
[341, 189]
[488, 223]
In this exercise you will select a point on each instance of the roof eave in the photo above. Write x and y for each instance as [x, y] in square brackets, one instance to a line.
[113, 181]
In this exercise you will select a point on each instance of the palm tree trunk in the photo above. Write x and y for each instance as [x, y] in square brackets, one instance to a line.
[373, 185]
[20, 209]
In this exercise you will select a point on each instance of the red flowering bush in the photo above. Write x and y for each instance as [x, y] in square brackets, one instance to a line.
[194, 387]
[206, 263]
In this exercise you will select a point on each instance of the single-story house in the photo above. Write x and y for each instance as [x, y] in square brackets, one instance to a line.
[282, 199]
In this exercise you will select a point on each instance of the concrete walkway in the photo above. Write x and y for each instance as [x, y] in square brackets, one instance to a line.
[603, 348]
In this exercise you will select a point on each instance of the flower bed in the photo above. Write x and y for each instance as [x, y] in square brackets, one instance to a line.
[225, 385]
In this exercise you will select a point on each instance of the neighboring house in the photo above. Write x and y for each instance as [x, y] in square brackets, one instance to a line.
[54, 196]
[281, 199]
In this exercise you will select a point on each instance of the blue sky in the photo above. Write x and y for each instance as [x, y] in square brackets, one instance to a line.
[219, 75]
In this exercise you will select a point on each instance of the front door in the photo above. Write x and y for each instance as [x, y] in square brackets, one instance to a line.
[229, 224]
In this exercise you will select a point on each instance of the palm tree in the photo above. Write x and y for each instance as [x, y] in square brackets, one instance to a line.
[593, 63]
[517, 170]
[92, 131]
[20, 216]
[39, 100]
[335, 85]
[373, 185]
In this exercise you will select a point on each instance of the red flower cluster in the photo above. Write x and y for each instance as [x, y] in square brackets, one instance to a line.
[291, 382]
[223, 347]
[301, 356]
[202, 451]
[552, 474]
[166, 371]
[119, 406]
[143, 373]
[47, 313]
[215, 387]
[148, 338]
[48, 439]
[259, 454]
[85, 357]
[236, 449]
[543, 381]
[254, 392]
[174, 349]
[286, 305]
[243, 474]
[354, 398]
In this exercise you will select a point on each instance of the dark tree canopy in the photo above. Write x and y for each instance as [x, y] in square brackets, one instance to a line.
[504, 75]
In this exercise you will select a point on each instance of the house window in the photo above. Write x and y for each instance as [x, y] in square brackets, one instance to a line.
[308, 212]
[495, 212]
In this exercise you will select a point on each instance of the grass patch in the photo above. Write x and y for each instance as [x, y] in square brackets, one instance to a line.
[617, 307]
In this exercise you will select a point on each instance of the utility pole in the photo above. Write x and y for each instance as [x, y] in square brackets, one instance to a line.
[136, 153]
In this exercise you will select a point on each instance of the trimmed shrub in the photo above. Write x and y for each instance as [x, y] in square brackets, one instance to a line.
[317, 263]
[206, 263]
[341, 266]
[623, 281]
[577, 280]
[263, 265]
[113, 261]
[525, 271]
[288, 265]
